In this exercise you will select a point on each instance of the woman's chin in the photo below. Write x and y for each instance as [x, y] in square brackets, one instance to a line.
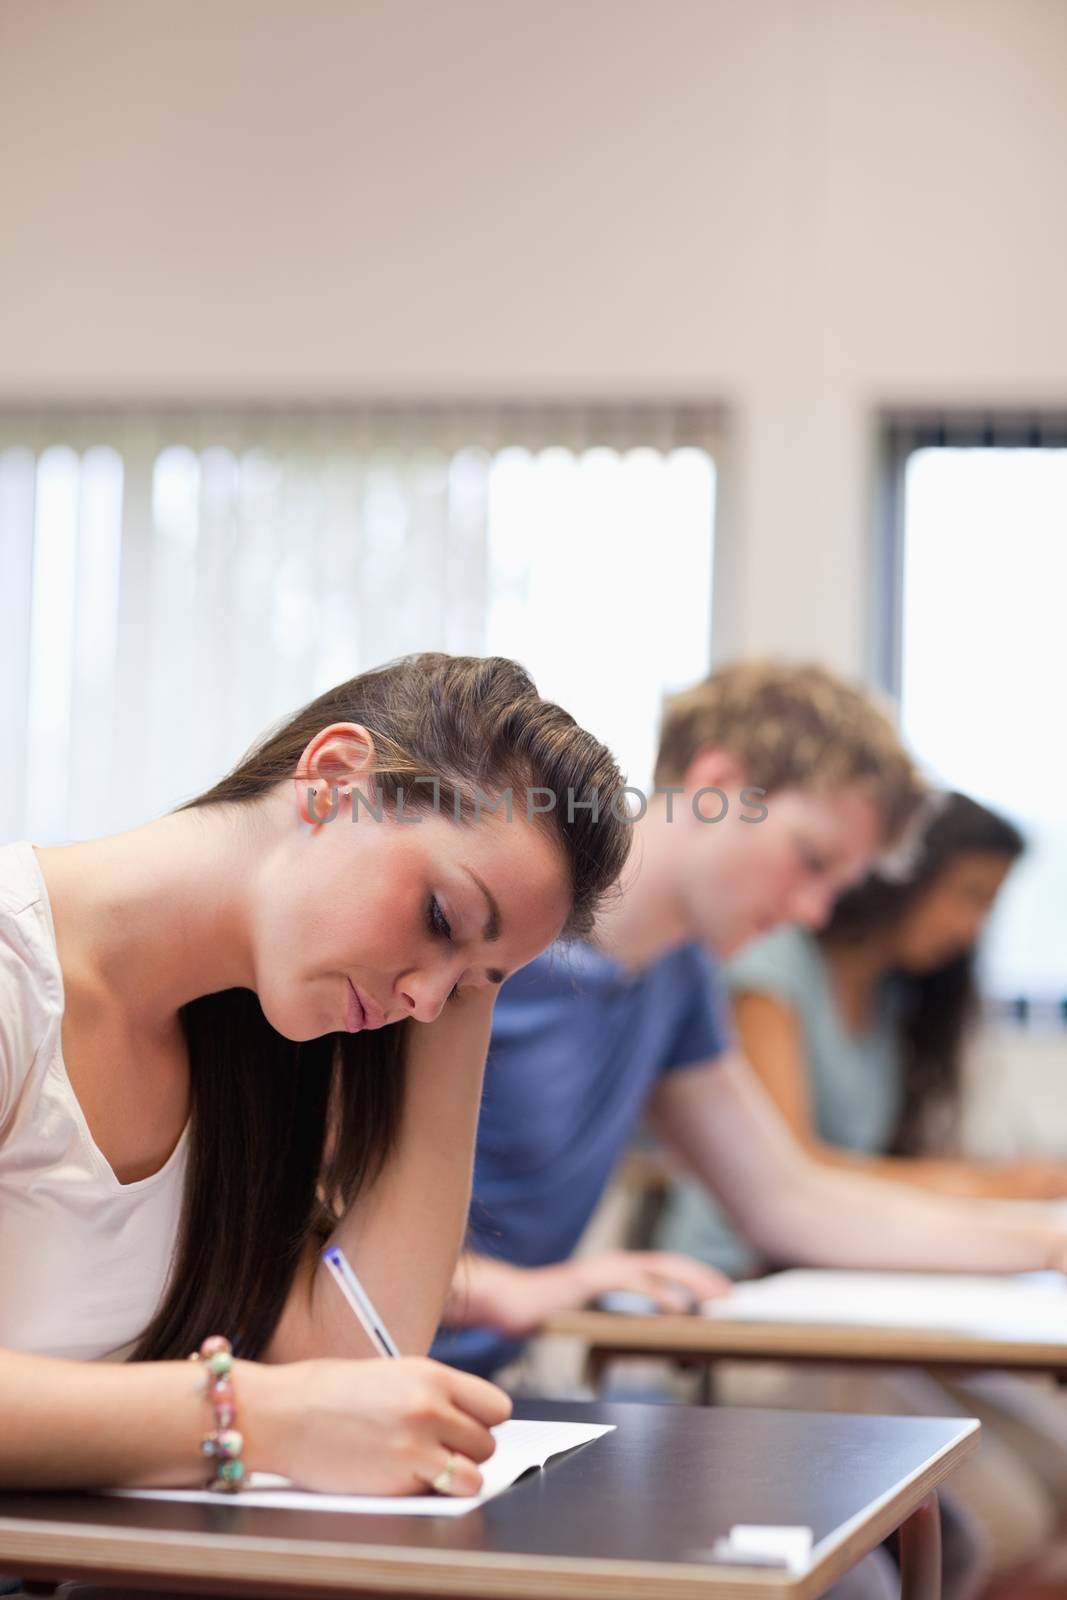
[299, 1029]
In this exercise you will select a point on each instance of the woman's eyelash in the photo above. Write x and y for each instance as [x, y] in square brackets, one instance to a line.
[438, 923]
[436, 919]
[813, 862]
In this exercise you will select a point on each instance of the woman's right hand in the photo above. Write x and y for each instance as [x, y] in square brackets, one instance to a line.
[1035, 1178]
[369, 1427]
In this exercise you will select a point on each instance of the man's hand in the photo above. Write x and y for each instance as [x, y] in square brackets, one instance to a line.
[521, 1300]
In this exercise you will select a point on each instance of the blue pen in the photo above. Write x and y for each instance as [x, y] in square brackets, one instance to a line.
[360, 1301]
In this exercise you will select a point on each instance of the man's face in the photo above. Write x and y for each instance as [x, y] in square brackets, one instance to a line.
[741, 879]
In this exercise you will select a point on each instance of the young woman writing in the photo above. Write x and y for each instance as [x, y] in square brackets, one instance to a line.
[254, 1024]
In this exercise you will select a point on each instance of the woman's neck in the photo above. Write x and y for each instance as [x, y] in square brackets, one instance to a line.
[154, 917]
[856, 971]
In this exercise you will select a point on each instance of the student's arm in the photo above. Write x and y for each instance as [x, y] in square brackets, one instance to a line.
[772, 1041]
[351, 1426]
[72, 1424]
[520, 1300]
[791, 1207]
[356, 1427]
[404, 1234]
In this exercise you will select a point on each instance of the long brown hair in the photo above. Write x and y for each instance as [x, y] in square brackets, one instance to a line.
[934, 1009]
[259, 1185]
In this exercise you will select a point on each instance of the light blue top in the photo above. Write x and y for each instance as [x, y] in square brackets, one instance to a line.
[855, 1081]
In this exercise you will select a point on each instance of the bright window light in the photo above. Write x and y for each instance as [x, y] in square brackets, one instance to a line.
[600, 583]
[984, 659]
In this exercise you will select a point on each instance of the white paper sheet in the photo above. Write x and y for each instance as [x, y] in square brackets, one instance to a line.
[519, 1446]
[1029, 1304]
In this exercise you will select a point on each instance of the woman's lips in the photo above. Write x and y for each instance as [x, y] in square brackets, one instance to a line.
[356, 1017]
[362, 1011]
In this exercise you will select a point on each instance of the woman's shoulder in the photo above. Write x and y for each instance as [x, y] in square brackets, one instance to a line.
[782, 963]
[30, 986]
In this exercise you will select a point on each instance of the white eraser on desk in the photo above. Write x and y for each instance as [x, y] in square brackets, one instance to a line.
[766, 1544]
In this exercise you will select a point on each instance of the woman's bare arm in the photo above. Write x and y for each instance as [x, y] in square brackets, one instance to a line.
[76, 1424]
[772, 1041]
[351, 1427]
[403, 1237]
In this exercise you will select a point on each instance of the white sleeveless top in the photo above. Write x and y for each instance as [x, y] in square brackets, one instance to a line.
[84, 1259]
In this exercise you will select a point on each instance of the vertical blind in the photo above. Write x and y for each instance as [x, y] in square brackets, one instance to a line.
[171, 584]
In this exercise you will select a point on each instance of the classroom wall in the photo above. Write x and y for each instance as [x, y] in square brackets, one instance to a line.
[803, 208]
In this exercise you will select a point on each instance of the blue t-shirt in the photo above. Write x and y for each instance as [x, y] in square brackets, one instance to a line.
[578, 1044]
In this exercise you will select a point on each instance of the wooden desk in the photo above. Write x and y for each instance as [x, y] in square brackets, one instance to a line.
[630, 1517]
[707, 1340]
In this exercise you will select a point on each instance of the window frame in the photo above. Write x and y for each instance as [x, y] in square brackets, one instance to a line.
[901, 433]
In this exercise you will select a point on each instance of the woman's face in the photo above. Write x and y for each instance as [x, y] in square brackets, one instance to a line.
[357, 924]
[946, 921]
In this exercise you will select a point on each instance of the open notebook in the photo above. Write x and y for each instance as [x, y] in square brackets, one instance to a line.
[1028, 1305]
[519, 1446]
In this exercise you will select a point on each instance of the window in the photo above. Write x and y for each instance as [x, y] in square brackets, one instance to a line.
[171, 585]
[600, 582]
[982, 665]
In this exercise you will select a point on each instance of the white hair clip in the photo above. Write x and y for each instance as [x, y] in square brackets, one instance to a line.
[898, 864]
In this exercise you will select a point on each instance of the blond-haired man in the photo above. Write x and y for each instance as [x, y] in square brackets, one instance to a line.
[776, 786]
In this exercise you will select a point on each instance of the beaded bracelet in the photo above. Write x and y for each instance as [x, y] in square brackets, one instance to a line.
[224, 1444]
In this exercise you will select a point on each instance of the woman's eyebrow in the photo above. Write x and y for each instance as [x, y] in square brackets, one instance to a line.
[491, 932]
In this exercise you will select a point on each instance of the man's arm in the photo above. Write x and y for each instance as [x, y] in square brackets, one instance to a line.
[403, 1235]
[722, 1122]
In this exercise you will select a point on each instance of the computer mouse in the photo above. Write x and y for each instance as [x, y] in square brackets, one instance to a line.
[632, 1303]
[629, 1301]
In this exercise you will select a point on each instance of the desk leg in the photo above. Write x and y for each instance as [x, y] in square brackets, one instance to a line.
[596, 1364]
[920, 1553]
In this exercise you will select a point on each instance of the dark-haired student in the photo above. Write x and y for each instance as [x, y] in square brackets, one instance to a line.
[186, 1007]
[857, 1033]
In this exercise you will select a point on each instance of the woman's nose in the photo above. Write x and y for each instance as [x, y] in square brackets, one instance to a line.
[424, 994]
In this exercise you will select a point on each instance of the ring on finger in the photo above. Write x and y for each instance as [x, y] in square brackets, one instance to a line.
[443, 1481]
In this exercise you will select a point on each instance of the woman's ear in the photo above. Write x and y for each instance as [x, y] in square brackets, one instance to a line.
[339, 759]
